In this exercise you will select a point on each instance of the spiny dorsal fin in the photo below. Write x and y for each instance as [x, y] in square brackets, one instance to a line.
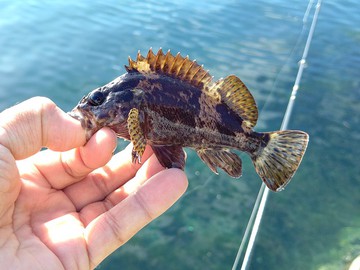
[235, 94]
[175, 66]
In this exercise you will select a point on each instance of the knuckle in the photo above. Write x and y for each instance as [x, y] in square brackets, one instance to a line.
[141, 201]
[113, 224]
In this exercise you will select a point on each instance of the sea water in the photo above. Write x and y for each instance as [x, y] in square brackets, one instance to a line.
[64, 49]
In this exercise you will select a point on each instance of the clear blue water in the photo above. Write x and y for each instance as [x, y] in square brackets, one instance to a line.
[63, 49]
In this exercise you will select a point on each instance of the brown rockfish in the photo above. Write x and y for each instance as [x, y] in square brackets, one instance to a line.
[170, 102]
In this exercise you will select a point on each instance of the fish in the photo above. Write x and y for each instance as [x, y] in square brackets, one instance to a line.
[170, 102]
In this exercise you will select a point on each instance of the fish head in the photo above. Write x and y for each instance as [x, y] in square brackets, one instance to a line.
[108, 106]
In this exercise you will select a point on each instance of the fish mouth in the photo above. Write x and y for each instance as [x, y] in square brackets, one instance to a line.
[87, 121]
[76, 114]
[92, 124]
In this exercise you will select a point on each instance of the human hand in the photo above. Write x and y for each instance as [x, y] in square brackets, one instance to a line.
[73, 205]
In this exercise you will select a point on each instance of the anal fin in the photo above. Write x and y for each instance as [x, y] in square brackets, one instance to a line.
[224, 159]
[170, 156]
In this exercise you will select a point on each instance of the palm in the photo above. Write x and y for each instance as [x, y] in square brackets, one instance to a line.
[40, 240]
[52, 214]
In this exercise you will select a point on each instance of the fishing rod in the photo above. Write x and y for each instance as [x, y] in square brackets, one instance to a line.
[260, 203]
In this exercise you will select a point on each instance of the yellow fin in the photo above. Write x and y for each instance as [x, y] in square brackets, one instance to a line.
[235, 94]
[175, 66]
[136, 135]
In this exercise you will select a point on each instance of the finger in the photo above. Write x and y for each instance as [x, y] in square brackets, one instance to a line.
[151, 167]
[36, 123]
[61, 169]
[97, 185]
[95, 209]
[9, 185]
[115, 227]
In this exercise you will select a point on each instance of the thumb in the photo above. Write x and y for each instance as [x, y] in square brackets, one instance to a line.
[36, 123]
[24, 130]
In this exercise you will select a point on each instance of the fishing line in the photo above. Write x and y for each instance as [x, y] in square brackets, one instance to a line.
[200, 186]
[255, 220]
[249, 226]
[287, 61]
[290, 56]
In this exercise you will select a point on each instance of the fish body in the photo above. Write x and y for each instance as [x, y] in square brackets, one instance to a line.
[170, 102]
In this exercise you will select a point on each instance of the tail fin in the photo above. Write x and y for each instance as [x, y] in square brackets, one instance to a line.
[277, 162]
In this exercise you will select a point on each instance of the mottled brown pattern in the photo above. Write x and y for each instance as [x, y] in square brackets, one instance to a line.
[150, 85]
[170, 102]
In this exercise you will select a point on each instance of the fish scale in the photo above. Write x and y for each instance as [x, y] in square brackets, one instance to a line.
[170, 102]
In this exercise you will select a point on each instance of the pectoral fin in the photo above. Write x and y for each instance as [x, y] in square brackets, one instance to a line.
[136, 135]
[223, 159]
[170, 156]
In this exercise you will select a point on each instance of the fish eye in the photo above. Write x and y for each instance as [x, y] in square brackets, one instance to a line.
[96, 98]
